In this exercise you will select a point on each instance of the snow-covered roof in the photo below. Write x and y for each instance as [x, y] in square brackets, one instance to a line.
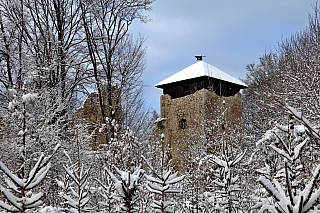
[200, 69]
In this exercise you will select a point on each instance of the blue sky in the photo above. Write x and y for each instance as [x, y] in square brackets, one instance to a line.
[230, 33]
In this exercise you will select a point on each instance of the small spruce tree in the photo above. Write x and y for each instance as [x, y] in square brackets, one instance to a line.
[289, 190]
[19, 188]
[162, 182]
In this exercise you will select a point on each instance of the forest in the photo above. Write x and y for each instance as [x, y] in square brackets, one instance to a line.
[55, 53]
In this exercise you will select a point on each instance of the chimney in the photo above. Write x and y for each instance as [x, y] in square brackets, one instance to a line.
[199, 57]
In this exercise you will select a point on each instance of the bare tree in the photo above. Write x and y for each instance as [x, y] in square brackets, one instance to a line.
[42, 49]
[285, 81]
[289, 75]
[106, 24]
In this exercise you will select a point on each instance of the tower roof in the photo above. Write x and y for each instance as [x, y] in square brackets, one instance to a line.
[200, 69]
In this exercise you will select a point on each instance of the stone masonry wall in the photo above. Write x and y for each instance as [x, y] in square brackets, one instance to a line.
[195, 109]
[90, 115]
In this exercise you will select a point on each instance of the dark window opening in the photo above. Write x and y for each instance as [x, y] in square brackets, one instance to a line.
[183, 123]
[222, 126]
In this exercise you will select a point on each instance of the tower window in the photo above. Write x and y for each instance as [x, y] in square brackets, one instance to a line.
[183, 123]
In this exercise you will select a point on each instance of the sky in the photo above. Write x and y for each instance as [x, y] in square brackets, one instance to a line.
[230, 33]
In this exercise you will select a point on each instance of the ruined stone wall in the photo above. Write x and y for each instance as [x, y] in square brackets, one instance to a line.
[90, 115]
[196, 109]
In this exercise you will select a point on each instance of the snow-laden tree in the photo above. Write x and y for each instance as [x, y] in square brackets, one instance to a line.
[50, 209]
[306, 200]
[194, 186]
[75, 188]
[76, 192]
[258, 116]
[43, 51]
[225, 198]
[65, 47]
[285, 81]
[290, 188]
[123, 152]
[163, 185]
[108, 194]
[290, 74]
[123, 149]
[162, 180]
[127, 186]
[116, 61]
[19, 188]
[41, 134]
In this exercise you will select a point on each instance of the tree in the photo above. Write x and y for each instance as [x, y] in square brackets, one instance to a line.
[162, 181]
[76, 193]
[127, 186]
[290, 75]
[122, 153]
[262, 80]
[288, 187]
[44, 52]
[18, 192]
[19, 187]
[226, 194]
[41, 136]
[108, 195]
[283, 82]
[75, 183]
[48, 56]
[106, 24]
[163, 185]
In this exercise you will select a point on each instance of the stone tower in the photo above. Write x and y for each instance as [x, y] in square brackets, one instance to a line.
[191, 97]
